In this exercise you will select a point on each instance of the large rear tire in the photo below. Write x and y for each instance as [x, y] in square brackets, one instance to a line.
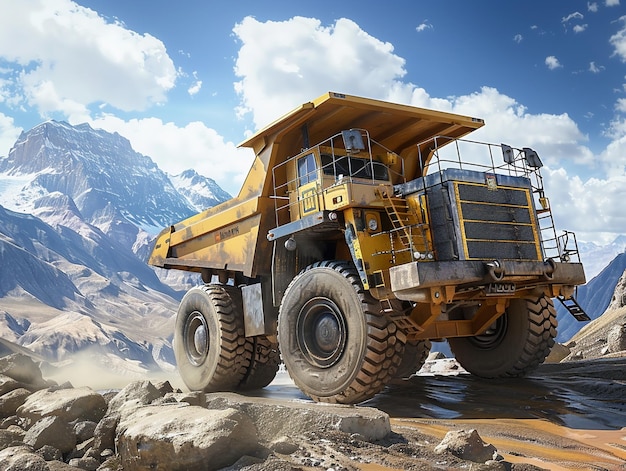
[263, 365]
[518, 342]
[262, 351]
[414, 356]
[336, 344]
[209, 342]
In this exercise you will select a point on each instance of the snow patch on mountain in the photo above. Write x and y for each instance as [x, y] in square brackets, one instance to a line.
[596, 257]
[201, 192]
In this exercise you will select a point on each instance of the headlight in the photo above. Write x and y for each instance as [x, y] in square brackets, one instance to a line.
[372, 224]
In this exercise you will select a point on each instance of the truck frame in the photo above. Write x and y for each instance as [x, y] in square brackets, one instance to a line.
[359, 236]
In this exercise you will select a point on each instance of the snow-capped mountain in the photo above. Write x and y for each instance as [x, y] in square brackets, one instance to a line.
[200, 192]
[115, 188]
[78, 210]
[596, 257]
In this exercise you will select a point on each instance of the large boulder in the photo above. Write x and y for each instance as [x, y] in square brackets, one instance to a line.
[274, 418]
[467, 445]
[182, 437]
[558, 353]
[137, 393]
[69, 404]
[8, 384]
[51, 430]
[21, 458]
[23, 369]
[104, 434]
[616, 338]
[10, 401]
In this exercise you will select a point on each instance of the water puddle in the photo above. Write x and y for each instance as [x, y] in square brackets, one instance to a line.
[563, 417]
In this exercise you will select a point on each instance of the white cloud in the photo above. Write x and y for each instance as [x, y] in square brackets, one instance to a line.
[71, 57]
[618, 40]
[572, 16]
[424, 26]
[592, 7]
[588, 207]
[621, 105]
[196, 86]
[595, 69]
[518, 38]
[315, 60]
[552, 62]
[611, 3]
[8, 134]
[576, 16]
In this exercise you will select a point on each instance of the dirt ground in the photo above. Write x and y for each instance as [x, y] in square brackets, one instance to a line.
[565, 416]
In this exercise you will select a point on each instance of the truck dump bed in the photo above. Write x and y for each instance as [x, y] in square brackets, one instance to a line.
[232, 236]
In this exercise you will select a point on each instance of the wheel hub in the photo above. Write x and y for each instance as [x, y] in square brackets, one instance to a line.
[493, 336]
[196, 338]
[321, 332]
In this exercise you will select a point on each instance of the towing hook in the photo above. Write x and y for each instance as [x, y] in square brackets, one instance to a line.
[548, 268]
[495, 270]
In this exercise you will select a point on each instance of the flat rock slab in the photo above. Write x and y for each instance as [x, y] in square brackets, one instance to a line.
[182, 437]
[274, 418]
[69, 404]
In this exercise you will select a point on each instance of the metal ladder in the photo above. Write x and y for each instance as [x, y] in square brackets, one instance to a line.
[410, 230]
[574, 308]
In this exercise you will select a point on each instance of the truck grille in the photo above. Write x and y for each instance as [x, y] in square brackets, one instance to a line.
[496, 223]
[478, 215]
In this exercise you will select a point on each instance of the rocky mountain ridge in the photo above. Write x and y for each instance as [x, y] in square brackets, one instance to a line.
[79, 209]
[115, 188]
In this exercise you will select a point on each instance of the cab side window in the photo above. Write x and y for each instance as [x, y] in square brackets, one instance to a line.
[307, 169]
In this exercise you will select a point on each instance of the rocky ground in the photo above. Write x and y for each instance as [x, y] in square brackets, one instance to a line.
[434, 421]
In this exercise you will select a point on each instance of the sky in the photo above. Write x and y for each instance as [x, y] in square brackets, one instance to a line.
[187, 81]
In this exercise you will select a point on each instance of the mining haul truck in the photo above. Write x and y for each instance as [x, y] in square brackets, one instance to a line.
[359, 236]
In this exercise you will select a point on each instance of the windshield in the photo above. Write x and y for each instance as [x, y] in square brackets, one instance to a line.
[354, 167]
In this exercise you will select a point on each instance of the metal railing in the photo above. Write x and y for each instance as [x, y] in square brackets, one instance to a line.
[441, 152]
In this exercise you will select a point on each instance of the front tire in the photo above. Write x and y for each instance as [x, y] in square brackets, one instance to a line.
[518, 342]
[336, 345]
[209, 342]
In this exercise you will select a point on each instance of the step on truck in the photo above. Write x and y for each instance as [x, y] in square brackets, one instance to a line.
[364, 231]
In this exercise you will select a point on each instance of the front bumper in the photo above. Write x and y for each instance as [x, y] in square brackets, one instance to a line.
[410, 281]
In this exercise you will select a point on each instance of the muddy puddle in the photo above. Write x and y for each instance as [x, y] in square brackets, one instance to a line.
[563, 416]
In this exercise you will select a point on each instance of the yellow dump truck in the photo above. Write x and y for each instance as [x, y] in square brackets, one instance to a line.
[360, 235]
